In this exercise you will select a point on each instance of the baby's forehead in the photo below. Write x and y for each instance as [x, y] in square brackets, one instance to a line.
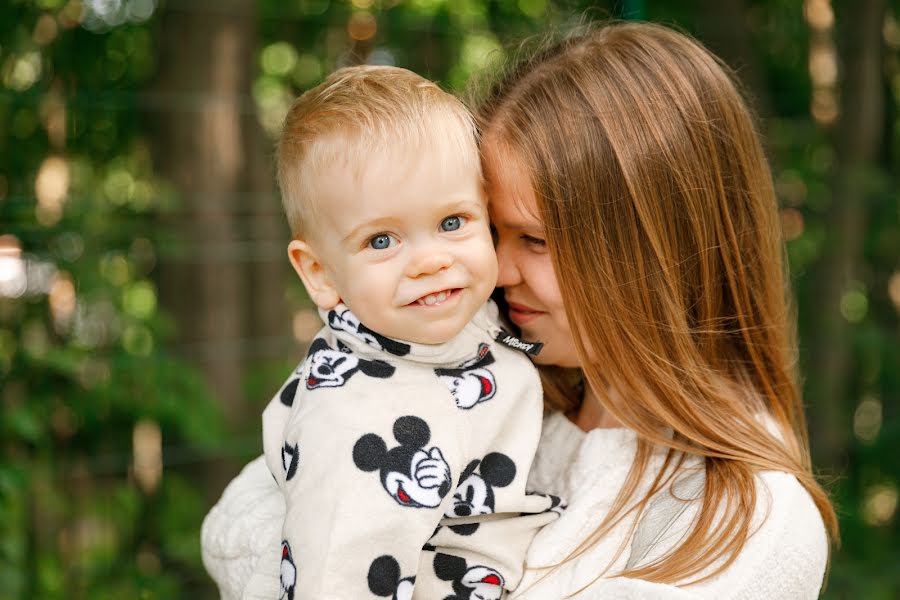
[361, 152]
[395, 184]
[395, 165]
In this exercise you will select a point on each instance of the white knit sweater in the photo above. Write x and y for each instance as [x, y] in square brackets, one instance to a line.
[784, 558]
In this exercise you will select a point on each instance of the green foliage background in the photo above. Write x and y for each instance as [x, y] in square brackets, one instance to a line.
[77, 376]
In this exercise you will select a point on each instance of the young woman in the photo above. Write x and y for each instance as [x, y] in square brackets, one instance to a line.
[638, 238]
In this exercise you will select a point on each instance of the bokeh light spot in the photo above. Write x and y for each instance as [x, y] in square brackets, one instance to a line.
[22, 72]
[307, 71]
[13, 279]
[278, 58]
[137, 340]
[51, 186]
[891, 31]
[894, 289]
[115, 268]
[139, 300]
[880, 504]
[818, 14]
[867, 419]
[791, 223]
[63, 300]
[854, 304]
[362, 26]
[273, 100]
[45, 30]
[147, 448]
[119, 186]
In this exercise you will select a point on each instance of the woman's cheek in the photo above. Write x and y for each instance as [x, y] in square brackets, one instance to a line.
[560, 344]
[558, 351]
[546, 285]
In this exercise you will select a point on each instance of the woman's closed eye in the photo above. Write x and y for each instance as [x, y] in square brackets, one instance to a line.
[533, 241]
[381, 241]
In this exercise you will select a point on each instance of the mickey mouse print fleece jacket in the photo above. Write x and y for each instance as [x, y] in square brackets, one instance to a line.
[404, 465]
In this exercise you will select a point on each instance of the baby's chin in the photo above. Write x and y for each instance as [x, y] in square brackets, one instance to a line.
[434, 333]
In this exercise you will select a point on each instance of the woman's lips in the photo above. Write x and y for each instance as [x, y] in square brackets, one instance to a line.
[521, 314]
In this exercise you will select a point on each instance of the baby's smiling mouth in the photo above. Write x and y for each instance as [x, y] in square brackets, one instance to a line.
[436, 298]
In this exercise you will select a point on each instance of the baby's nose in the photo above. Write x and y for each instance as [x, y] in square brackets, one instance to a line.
[428, 263]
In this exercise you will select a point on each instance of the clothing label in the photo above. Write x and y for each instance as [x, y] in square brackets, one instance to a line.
[508, 339]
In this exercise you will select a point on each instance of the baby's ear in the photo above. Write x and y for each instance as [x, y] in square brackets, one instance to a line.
[312, 272]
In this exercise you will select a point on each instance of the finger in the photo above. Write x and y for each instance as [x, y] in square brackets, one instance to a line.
[428, 472]
[418, 457]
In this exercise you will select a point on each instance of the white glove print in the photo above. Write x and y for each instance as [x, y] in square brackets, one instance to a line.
[431, 470]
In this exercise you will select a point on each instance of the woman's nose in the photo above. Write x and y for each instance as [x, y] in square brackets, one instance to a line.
[507, 272]
[428, 262]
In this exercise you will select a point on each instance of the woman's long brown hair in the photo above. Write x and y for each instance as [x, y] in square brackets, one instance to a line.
[662, 224]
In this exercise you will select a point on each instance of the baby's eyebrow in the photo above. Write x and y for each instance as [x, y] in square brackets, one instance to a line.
[464, 204]
[373, 224]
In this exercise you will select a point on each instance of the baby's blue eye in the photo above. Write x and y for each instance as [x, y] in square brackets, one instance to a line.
[452, 223]
[381, 241]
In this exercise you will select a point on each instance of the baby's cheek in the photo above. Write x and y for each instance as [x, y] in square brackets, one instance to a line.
[368, 296]
[373, 281]
[482, 260]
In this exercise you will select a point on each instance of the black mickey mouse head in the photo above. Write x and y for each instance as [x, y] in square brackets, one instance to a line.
[344, 320]
[471, 383]
[290, 458]
[469, 583]
[286, 396]
[333, 368]
[413, 474]
[288, 579]
[557, 504]
[475, 493]
[385, 581]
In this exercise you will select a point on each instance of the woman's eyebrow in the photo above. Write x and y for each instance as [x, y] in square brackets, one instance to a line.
[519, 225]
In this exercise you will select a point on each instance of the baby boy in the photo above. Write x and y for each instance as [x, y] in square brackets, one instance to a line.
[403, 441]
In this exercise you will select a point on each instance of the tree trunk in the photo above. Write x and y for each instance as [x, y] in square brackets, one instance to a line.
[857, 143]
[206, 64]
[268, 270]
[723, 28]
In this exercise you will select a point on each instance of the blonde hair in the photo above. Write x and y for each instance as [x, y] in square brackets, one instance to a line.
[662, 225]
[360, 113]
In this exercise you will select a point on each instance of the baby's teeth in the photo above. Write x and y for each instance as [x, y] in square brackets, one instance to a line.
[432, 299]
